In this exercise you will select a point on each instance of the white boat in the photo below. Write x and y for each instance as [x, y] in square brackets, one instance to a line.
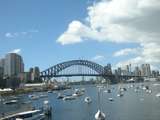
[11, 102]
[78, 92]
[107, 91]
[88, 100]
[33, 97]
[69, 98]
[83, 89]
[120, 94]
[158, 95]
[27, 115]
[43, 95]
[149, 91]
[60, 96]
[110, 99]
[100, 115]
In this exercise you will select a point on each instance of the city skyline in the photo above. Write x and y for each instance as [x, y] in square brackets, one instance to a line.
[67, 30]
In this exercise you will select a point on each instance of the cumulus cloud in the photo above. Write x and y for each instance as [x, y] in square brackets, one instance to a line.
[121, 21]
[18, 51]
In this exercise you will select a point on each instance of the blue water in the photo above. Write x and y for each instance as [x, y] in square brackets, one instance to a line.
[132, 106]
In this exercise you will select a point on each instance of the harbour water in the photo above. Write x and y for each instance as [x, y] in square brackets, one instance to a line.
[132, 106]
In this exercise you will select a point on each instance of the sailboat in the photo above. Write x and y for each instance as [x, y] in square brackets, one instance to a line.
[99, 115]
[88, 100]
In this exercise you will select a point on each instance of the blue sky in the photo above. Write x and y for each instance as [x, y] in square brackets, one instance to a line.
[34, 28]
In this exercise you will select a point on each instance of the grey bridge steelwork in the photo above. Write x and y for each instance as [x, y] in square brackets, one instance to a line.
[56, 69]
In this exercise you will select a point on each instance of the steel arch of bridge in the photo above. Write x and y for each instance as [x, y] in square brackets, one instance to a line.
[54, 70]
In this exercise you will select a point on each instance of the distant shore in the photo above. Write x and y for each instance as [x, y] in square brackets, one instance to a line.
[19, 91]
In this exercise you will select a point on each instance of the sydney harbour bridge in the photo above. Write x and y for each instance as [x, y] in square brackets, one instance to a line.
[80, 68]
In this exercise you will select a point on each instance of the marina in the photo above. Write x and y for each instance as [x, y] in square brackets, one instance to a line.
[136, 104]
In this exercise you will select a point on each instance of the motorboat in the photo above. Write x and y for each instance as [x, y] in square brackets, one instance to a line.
[108, 91]
[88, 100]
[78, 92]
[110, 99]
[33, 97]
[82, 89]
[120, 94]
[43, 95]
[10, 102]
[149, 91]
[60, 96]
[158, 95]
[26, 115]
[123, 89]
[69, 98]
[100, 115]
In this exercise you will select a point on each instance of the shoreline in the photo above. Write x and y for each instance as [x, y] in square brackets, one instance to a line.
[20, 91]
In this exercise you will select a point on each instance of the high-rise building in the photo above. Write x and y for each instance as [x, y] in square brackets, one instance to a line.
[137, 71]
[145, 70]
[127, 70]
[13, 64]
[155, 73]
[119, 71]
[34, 74]
[1, 72]
[2, 60]
[108, 69]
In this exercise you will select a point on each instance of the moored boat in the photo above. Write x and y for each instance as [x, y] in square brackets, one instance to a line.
[11, 102]
[26, 115]
[110, 99]
[60, 96]
[88, 100]
[100, 115]
[69, 98]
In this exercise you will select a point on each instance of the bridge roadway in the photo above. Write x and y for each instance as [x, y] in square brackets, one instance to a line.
[96, 75]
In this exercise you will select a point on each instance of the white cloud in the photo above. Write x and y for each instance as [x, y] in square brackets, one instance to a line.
[76, 33]
[98, 58]
[18, 34]
[9, 35]
[127, 51]
[18, 51]
[121, 21]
